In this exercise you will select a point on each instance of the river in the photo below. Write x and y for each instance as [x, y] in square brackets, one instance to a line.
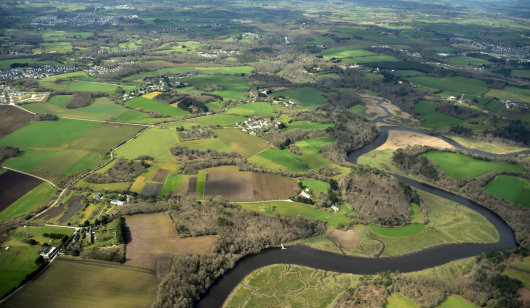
[306, 256]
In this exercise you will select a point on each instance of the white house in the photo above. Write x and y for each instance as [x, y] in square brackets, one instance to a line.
[305, 195]
[117, 202]
[334, 208]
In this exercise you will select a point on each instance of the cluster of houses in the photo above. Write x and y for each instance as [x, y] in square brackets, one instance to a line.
[515, 105]
[306, 194]
[253, 126]
[121, 200]
[35, 72]
[79, 20]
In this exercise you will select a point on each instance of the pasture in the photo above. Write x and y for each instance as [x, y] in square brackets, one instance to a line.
[259, 108]
[234, 185]
[285, 285]
[520, 73]
[154, 234]
[18, 260]
[287, 208]
[306, 97]
[31, 201]
[511, 188]
[240, 142]
[280, 159]
[58, 148]
[467, 61]
[83, 86]
[453, 84]
[171, 184]
[154, 142]
[102, 108]
[493, 147]
[454, 301]
[155, 106]
[396, 300]
[316, 187]
[343, 52]
[218, 119]
[519, 270]
[510, 93]
[306, 125]
[78, 283]
[459, 166]
[432, 118]
[406, 230]
[230, 87]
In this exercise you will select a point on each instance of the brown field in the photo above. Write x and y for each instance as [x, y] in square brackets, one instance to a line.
[73, 282]
[13, 118]
[231, 184]
[401, 139]
[14, 185]
[345, 239]
[154, 234]
[160, 175]
[73, 205]
[53, 212]
[192, 185]
[372, 108]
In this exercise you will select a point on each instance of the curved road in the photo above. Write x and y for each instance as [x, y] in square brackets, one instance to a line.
[426, 258]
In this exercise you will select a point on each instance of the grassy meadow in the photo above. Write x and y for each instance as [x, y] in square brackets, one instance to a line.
[306, 97]
[460, 166]
[155, 106]
[511, 188]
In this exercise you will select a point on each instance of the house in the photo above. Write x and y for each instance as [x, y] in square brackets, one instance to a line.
[98, 196]
[304, 195]
[452, 98]
[117, 202]
[49, 252]
[334, 208]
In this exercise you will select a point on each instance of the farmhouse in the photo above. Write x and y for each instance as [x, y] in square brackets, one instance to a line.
[334, 208]
[49, 252]
[117, 202]
[305, 195]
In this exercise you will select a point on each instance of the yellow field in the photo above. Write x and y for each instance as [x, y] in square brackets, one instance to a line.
[151, 95]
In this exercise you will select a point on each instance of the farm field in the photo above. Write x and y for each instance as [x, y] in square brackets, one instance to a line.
[306, 125]
[510, 93]
[79, 283]
[519, 270]
[497, 148]
[234, 185]
[154, 142]
[400, 140]
[84, 86]
[287, 208]
[102, 109]
[63, 147]
[434, 119]
[396, 300]
[467, 61]
[317, 187]
[29, 202]
[154, 234]
[259, 108]
[213, 120]
[454, 301]
[292, 285]
[453, 84]
[155, 106]
[406, 230]
[280, 159]
[209, 69]
[231, 87]
[12, 119]
[240, 142]
[520, 73]
[14, 185]
[18, 260]
[306, 97]
[511, 188]
[459, 166]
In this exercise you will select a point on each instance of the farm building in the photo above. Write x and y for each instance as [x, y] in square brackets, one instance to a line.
[334, 208]
[305, 195]
[49, 252]
[117, 202]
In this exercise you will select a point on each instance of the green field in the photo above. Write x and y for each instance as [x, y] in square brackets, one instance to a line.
[345, 52]
[240, 142]
[511, 188]
[201, 179]
[154, 142]
[511, 93]
[416, 217]
[58, 47]
[434, 119]
[307, 97]
[317, 187]
[520, 270]
[396, 300]
[456, 302]
[459, 166]
[282, 159]
[406, 230]
[210, 70]
[80, 75]
[259, 108]
[454, 84]
[102, 108]
[18, 260]
[310, 150]
[521, 73]
[372, 59]
[84, 86]
[498, 148]
[155, 106]
[306, 125]
[232, 87]
[172, 184]
[466, 61]
[63, 147]
[88, 284]
[31, 201]
[285, 208]
[285, 285]
[213, 120]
